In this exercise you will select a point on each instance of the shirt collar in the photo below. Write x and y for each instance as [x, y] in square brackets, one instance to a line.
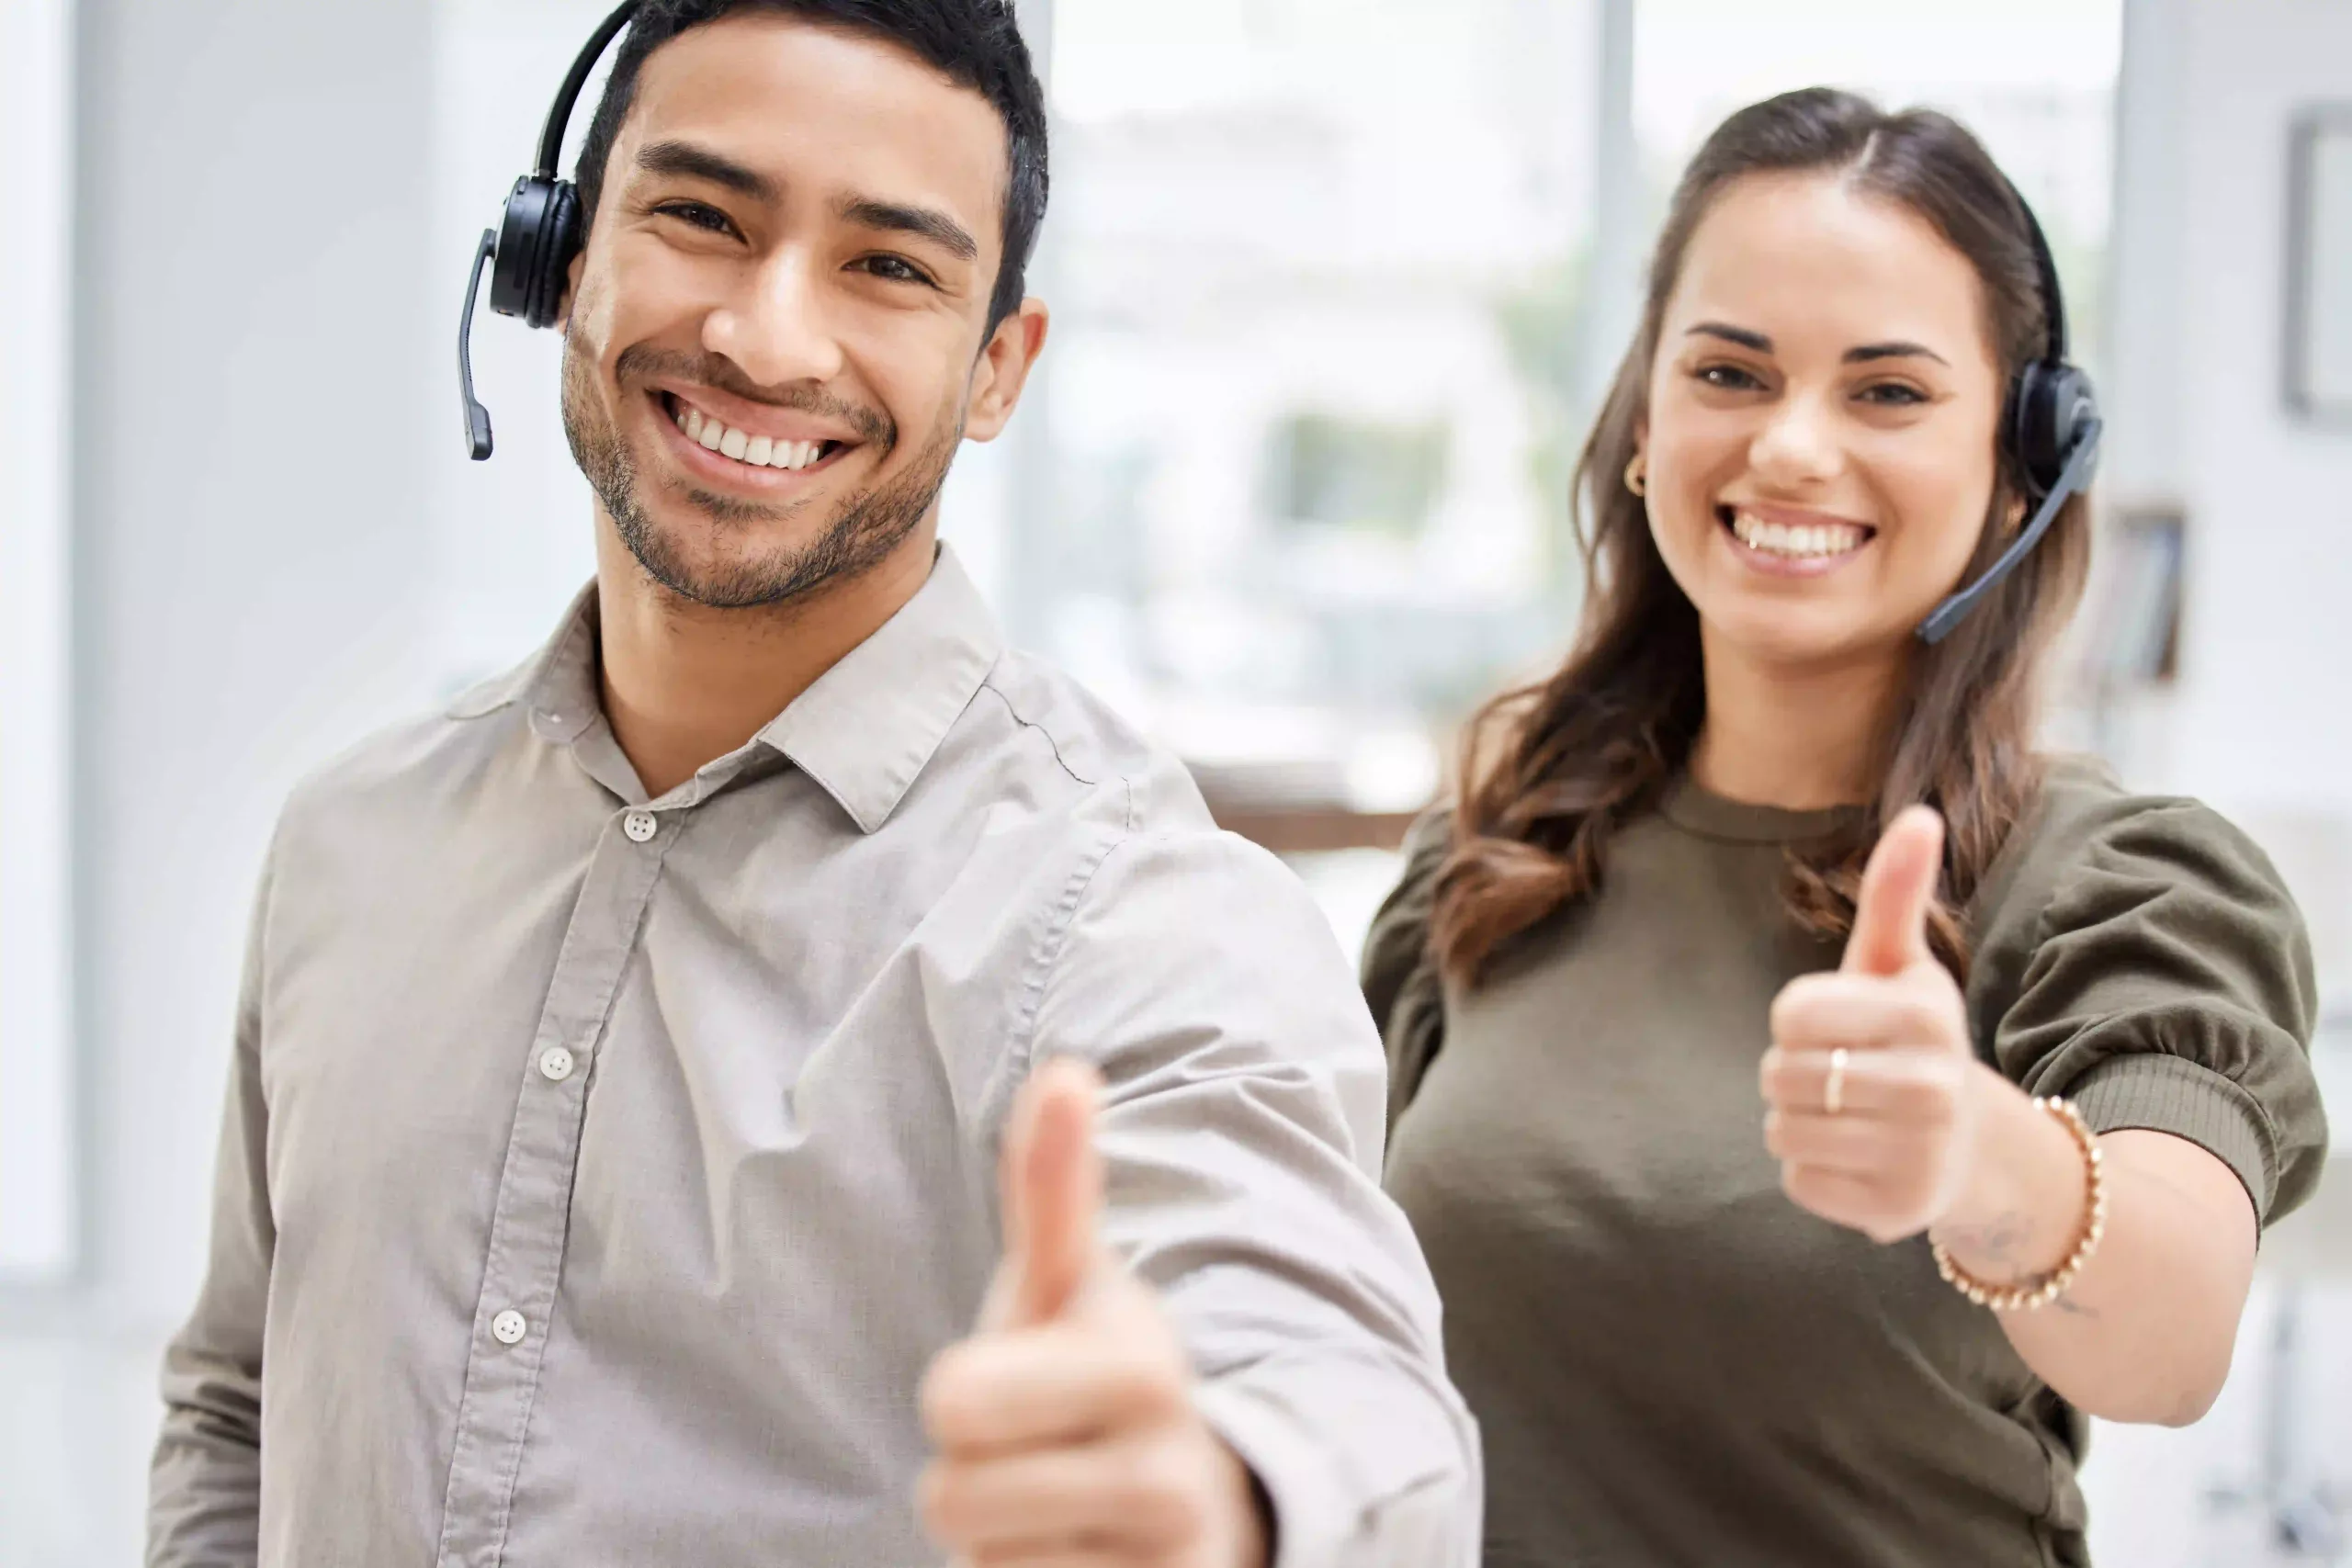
[863, 731]
[559, 682]
[869, 724]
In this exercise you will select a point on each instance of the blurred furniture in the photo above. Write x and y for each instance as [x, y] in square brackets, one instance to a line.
[2133, 627]
[1303, 804]
[2319, 261]
[1311, 829]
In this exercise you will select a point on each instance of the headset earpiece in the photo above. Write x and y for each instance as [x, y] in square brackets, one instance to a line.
[564, 240]
[2049, 406]
[536, 241]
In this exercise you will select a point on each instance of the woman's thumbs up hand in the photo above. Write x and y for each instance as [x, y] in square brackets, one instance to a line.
[1065, 1427]
[1873, 1086]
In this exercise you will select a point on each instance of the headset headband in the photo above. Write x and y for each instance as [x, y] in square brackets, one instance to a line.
[559, 112]
[2054, 299]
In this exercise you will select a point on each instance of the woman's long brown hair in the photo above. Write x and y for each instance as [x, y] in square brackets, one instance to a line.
[1550, 771]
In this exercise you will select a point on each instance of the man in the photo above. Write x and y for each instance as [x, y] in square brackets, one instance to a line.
[627, 1057]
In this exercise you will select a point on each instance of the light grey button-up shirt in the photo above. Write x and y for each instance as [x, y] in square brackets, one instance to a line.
[600, 1174]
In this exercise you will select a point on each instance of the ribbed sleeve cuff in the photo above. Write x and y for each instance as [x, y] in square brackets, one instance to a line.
[2172, 1094]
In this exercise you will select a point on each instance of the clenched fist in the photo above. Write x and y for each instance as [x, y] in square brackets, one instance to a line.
[1065, 1427]
[1874, 1092]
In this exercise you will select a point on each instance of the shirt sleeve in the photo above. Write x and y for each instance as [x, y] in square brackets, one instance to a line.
[204, 1486]
[1400, 975]
[2166, 983]
[1242, 1134]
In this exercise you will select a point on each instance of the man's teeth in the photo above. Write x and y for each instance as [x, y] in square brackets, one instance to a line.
[1810, 540]
[759, 451]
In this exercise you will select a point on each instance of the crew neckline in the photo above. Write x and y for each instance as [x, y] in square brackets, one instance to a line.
[1699, 811]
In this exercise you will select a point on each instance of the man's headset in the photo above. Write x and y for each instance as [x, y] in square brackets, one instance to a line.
[529, 253]
[2051, 425]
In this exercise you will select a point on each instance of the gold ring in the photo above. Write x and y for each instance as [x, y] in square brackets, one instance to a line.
[1833, 1093]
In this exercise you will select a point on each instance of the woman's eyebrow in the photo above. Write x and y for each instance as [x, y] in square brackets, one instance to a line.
[1740, 335]
[1870, 351]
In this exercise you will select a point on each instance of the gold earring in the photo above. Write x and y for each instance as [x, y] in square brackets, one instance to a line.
[1637, 480]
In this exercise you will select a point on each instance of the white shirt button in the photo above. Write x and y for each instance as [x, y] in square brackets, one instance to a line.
[639, 825]
[555, 1064]
[508, 1327]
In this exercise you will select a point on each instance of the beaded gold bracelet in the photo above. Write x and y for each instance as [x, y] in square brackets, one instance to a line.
[2032, 1295]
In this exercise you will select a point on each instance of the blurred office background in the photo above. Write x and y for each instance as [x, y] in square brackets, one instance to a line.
[1337, 282]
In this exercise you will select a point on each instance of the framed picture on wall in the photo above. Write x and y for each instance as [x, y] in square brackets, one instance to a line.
[2131, 623]
[2319, 261]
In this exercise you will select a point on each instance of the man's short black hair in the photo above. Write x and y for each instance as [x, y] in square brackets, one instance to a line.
[976, 43]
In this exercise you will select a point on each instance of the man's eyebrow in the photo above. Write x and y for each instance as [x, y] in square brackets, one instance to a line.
[900, 218]
[698, 163]
[1870, 351]
[1740, 335]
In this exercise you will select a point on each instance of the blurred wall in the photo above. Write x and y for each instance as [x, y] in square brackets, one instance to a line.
[2258, 724]
[257, 359]
[37, 1202]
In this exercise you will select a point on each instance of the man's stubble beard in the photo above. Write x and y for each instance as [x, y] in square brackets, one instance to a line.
[868, 527]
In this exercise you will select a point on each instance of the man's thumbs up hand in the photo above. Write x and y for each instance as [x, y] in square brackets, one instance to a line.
[1873, 1090]
[1052, 1199]
[1065, 1424]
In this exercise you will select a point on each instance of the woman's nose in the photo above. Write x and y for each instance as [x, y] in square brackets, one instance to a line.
[1799, 444]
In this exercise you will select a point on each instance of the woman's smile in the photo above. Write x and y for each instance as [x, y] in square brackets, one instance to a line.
[1789, 541]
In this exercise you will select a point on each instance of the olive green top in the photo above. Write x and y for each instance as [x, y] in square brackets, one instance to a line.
[1674, 1364]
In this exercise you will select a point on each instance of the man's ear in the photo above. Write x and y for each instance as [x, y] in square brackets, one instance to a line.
[571, 290]
[1002, 370]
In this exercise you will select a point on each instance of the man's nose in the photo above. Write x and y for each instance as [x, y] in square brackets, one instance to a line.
[778, 332]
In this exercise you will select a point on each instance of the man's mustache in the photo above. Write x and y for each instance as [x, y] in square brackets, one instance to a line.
[642, 362]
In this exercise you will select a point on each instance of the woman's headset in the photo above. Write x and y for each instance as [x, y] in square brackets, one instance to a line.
[529, 253]
[2051, 424]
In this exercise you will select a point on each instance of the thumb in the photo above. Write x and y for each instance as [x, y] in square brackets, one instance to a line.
[1053, 1193]
[1898, 890]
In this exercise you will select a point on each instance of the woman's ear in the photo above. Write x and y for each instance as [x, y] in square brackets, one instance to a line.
[1637, 469]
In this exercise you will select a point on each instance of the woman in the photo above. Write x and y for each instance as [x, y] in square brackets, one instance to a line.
[1859, 1320]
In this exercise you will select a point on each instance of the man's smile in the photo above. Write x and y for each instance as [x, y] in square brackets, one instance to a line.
[740, 443]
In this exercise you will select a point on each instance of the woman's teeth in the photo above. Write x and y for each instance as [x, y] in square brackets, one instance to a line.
[1807, 542]
[759, 451]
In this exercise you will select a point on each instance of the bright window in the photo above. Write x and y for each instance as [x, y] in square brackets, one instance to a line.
[1297, 498]
[2035, 79]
